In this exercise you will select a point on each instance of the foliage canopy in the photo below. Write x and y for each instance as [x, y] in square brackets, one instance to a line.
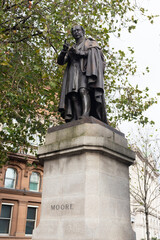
[31, 35]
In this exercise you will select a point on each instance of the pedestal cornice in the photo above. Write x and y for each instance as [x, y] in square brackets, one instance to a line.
[85, 135]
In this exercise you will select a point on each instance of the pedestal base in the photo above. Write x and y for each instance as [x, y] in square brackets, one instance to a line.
[85, 185]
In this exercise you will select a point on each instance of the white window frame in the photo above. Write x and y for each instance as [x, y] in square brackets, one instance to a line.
[35, 221]
[34, 182]
[10, 204]
[15, 179]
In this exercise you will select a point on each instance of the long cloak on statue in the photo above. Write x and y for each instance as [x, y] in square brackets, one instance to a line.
[83, 70]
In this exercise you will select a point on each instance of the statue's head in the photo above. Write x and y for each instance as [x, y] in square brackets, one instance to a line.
[77, 31]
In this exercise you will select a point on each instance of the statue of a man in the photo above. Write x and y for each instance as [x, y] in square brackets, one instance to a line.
[83, 85]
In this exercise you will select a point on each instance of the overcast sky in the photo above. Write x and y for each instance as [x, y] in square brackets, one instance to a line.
[146, 42]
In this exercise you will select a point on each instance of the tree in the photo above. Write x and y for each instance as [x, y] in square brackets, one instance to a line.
[31, 35]
[145, 184]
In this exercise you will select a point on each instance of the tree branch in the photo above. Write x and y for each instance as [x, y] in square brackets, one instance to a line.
[25, 38]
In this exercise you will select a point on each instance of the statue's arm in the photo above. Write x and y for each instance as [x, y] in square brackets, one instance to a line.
[62, 58]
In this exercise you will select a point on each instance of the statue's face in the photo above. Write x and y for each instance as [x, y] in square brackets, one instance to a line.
[77, 32]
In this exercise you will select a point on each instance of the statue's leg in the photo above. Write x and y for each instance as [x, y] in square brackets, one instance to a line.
[86, 102]
[76, 106]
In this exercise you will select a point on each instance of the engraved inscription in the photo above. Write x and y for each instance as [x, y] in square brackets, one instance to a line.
[62, 207]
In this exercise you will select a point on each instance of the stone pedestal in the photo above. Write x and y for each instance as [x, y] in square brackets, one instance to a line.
[85, 184]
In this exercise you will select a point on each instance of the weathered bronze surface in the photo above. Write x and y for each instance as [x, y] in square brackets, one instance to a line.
[83, 83]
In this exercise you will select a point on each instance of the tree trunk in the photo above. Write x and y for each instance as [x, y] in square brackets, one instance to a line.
[145, 200]
[147, 223]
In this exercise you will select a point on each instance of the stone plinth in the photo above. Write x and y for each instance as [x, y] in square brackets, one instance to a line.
[86, 184]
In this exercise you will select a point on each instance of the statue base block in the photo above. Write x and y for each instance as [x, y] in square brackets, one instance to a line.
[86, 183]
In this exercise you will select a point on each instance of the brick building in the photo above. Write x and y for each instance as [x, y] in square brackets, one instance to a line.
[20, 196]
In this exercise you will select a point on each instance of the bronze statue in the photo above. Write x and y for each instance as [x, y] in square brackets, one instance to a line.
[83, 85]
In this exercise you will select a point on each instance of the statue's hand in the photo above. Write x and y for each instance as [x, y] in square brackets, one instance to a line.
[74, 51]
[65, 46]
[79, 53]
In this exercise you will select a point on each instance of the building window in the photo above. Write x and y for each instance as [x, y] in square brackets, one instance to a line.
[5, 218]
[34, 182]
[10, 178]
[31, 219]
